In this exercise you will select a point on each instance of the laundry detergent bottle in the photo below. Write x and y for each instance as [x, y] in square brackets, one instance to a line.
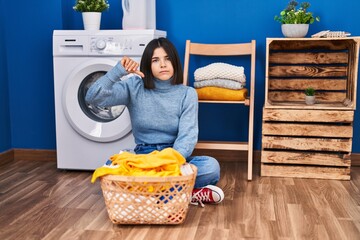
[139, 14]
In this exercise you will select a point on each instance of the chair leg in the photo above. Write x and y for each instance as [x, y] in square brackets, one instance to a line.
[251, 139]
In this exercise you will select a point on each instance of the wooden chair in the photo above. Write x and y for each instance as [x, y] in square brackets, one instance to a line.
[239, 49]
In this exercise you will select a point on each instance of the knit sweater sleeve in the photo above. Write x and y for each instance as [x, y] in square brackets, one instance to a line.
[188, 125]
[109, 90]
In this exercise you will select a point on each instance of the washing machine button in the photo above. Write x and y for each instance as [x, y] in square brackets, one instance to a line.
[101, 44]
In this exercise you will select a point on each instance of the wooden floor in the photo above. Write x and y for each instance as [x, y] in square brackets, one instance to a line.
[37, 201]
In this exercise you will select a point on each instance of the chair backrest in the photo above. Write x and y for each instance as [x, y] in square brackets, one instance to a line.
[238, 49]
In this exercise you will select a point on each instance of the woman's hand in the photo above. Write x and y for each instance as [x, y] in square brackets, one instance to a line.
[131, 66]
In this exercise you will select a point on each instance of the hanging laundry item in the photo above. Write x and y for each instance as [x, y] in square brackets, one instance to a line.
[166, 162]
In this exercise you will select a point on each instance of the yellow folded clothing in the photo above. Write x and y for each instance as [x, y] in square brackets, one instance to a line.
[166, 162]
[221, 94]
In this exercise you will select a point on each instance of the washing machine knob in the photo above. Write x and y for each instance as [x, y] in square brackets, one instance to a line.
[100, 44]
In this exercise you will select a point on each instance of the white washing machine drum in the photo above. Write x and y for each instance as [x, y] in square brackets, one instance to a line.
[94, 123]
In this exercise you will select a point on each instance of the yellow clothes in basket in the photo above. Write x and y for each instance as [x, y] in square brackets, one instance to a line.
[166, 162]
[221, 94]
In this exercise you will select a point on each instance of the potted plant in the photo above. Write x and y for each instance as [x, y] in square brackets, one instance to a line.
[91, 12]
[310, 96]
[295, 21]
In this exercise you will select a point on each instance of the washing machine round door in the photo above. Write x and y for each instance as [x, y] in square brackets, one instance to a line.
[92, 122]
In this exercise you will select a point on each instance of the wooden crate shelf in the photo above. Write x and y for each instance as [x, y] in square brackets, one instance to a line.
[307, 143]
[330, 66]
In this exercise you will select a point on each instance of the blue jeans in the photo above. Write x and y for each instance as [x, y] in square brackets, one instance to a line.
[208, 167]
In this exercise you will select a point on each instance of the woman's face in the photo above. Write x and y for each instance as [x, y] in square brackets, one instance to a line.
[161, 65]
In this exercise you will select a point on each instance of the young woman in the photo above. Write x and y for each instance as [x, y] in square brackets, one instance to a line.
[163, 112]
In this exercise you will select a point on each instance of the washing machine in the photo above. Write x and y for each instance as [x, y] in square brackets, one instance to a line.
[86, 135]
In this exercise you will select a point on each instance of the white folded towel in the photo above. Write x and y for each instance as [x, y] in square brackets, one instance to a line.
[220, 70]
[224, 83]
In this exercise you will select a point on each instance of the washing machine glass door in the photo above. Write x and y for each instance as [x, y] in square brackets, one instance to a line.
[92, 122]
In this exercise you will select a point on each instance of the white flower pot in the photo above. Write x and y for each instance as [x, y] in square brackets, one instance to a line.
[295, 30]
[91, 20]
[310, 100]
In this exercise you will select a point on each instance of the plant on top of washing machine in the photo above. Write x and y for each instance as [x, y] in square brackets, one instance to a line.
[91, 5]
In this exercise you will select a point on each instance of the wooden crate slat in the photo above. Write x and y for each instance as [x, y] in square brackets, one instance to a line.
[341, 106]
[296, 115]
[299, 96]
[307, 71]
[305, 172]
[311, 44]
[309, 58]
[301, 84]
[353, 73]
[296, 129]
[308, 158]
[312, 144]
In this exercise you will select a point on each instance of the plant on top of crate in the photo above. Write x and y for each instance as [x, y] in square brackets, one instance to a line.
[293, 15]
[295, 21]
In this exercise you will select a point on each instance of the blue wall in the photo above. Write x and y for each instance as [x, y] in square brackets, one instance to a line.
[28, 87]
[30, 76]
[5, 137]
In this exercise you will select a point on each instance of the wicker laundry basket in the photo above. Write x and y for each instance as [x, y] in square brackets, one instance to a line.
[147, 200]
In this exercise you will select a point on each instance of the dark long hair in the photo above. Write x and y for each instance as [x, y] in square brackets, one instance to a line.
[145, 64]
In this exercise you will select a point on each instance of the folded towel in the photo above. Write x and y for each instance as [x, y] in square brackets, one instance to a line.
[221, 94]
[224, 83]
[220, 70]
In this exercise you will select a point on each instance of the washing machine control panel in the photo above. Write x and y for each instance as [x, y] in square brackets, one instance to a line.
[118, 45]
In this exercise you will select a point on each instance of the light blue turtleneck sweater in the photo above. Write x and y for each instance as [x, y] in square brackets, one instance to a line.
[166, 114]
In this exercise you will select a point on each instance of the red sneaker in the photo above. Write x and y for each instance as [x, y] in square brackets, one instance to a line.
[208, 194]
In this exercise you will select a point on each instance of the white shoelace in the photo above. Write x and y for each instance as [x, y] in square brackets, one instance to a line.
[200, 196]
